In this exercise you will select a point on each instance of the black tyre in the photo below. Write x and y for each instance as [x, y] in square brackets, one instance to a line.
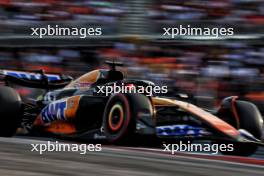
[250, 120]
[120, 116]
[10, 111]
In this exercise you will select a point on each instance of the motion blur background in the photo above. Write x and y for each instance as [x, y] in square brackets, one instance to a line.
[209, 69]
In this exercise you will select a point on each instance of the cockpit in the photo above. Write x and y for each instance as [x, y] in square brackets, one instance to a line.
[100, 76]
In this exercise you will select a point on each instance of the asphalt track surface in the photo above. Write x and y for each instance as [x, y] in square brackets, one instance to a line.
[17, 159]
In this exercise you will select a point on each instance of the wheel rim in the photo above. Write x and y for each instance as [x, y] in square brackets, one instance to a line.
[116, 117]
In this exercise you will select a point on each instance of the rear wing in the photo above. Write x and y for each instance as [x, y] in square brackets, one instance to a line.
[35, 79]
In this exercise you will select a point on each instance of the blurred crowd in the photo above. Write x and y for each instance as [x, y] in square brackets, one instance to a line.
[117, 14]
[56, 60]
[49, 10]
[245, 11]
[109, 10]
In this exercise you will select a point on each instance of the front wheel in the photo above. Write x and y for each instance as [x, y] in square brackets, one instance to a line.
[120, 116]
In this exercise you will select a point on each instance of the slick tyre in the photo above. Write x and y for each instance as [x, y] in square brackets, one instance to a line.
[10, 111]
[120, 116]
[250, 118]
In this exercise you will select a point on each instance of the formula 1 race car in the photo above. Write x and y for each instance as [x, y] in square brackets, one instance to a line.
[81, 109]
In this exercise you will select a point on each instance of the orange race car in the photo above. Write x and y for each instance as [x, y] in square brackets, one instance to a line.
[102, 105]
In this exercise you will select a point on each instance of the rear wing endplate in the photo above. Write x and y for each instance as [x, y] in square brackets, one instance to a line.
[35, 79]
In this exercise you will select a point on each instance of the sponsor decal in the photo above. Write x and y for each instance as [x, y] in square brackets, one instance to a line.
[99, 136]
[82, 84]
[30, 76]
[181, 130]
[60, 110]
[50, 96]
[54, 111]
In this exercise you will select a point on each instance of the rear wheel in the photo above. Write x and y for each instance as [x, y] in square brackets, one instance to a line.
[249, 119]
[10, 111]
